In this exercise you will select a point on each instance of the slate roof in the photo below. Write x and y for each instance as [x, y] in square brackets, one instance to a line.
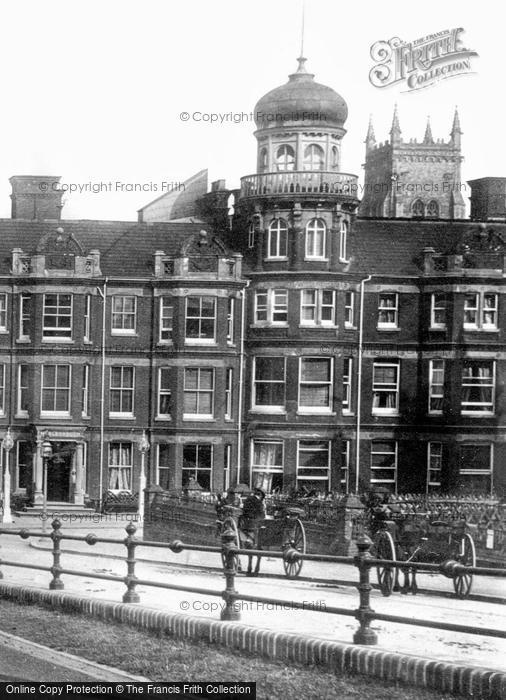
[394, 246]
[376, 246]
[126, 247]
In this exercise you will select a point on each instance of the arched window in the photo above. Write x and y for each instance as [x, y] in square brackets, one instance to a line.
[277, 244]
[251, 236]
[335, 158]
[263, 161]
[314, 157]
[343, 241]
[285, 158]
[315, 238]
[433, 208]
[418, 208]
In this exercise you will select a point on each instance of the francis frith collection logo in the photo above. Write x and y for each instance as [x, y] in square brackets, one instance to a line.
[420, 63]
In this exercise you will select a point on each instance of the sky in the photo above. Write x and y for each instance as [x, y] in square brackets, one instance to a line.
[93, 90]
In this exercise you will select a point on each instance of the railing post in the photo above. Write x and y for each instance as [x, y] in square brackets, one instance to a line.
[131, 595]
[229, 548]
[364, 614]
[56, 584]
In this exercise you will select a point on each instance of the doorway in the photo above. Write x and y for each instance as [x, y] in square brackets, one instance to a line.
[58, 473]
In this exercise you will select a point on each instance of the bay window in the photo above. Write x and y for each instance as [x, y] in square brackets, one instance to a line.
[436, 386]
[478, 386]
[313, 464]
[197, 465]
[269, 383]
[57, 317]
[480, 311]
[271, 306]
[384, 462]
[438, 311]
[315, 384]
[267, 465]
[120, 466]
[317, 307]
[388, 311]
[198, 392]
[200, 319]
[385, 387]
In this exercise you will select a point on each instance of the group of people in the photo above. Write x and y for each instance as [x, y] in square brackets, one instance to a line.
[253, 506]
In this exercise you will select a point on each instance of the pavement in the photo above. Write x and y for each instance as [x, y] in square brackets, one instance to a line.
[22, 660]
[320, 589]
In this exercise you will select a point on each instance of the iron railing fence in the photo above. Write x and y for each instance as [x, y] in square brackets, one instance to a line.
[229, 552]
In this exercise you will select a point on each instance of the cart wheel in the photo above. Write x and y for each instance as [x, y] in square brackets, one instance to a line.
[233, 526]
[385, 549]
[297, 541]
[462, 582]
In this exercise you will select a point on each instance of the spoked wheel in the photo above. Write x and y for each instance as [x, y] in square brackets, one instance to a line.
[385, 549]
[233, 526]
[297, 541]
[462, 583]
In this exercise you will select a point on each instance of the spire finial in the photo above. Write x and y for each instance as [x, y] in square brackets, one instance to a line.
[456, 122]
[428, 132]
[302, 31]
[396, 129]
[370, 139]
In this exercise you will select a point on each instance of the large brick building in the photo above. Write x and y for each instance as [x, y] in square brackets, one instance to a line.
[265, 344]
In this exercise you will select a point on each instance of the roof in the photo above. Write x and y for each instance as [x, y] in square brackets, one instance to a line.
[394, 246]
[376, 246]
[126, 247]
[301, 100]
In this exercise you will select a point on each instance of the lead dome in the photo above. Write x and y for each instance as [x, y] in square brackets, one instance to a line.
[299, 98]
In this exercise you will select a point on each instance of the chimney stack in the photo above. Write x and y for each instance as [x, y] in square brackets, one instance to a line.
[36, 197]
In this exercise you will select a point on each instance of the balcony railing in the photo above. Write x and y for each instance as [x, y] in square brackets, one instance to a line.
[299, 181]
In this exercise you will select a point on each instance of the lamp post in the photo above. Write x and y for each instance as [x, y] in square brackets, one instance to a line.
[47, 453]
[7, 444]
[143, 446]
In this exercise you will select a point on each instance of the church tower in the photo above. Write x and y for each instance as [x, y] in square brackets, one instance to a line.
[413, 179]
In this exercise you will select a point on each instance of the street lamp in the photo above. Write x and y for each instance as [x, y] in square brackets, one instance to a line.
[7, 444]
[143, 446]
[47, 453]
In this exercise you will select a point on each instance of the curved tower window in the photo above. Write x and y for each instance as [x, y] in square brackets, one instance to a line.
[433, 208]
[315, 238]
[263, 160]
[335, 158]
[343, 241]
[285, 158]
[314, 157]
[277, 243]
[418, 208]
[251, 235]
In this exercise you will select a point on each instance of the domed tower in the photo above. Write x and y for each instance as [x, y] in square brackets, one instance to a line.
[293, 220]
[298, 181]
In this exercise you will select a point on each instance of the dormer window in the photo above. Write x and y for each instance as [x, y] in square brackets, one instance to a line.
[314, 157]
[285, 158]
